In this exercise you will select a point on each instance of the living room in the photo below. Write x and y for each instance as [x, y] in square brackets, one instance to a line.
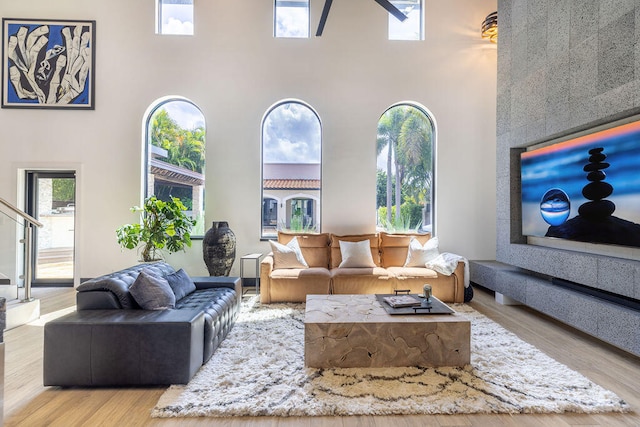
[233, 69]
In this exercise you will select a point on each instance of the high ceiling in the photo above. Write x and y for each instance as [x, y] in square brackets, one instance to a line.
[384, 3]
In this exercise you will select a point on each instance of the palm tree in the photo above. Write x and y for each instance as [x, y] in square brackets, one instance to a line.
[406, 132]
[163, 129]
[415, 149]
[187, 150]
[389, 128]
[185, 147]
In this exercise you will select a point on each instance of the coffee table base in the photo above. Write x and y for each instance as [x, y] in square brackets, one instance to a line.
[352, 331]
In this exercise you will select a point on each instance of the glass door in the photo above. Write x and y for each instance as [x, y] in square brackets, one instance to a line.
[51, 198]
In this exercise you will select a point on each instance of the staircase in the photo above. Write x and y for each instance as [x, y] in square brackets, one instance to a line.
[18, 312]
[25, 309]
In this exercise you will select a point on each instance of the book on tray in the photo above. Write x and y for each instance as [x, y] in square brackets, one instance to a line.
[398, 301]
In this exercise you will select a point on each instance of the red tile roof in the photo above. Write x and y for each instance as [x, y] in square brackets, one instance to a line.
[291, 184]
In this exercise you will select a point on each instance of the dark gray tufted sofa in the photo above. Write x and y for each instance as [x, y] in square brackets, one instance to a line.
[111, 341]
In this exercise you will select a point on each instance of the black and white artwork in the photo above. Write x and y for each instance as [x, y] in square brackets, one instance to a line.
[48, 63]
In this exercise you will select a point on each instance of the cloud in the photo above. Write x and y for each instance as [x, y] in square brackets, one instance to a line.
[187, 115]
[292, 22]
[175, 26]
[291, 134]
[177, 18]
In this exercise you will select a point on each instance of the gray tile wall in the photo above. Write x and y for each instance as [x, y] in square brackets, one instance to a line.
[563, 66]
[3, 317]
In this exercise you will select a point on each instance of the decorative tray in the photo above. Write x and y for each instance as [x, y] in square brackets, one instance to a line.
[421, 306]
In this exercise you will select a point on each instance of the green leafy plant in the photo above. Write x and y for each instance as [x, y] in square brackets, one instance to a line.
[297, 226]
[403, 224]
[163, 226]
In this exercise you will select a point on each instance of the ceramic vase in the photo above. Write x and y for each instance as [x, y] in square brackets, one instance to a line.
[219, 249]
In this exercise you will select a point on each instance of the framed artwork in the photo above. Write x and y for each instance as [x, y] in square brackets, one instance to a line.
[48, 63]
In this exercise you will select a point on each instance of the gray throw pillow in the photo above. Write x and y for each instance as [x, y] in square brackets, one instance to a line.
[152, 292]
[181, 284]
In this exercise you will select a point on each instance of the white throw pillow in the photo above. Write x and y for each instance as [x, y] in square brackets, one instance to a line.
[356, 254]
[288, 256]
[418, 255]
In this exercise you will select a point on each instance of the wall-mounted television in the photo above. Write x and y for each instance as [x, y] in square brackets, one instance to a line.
[585, 189]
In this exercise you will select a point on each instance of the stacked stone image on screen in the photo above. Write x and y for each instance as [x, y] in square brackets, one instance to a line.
[597, 190]
[595, 222]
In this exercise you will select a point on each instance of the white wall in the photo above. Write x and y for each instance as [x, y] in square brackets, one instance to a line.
[234, 70]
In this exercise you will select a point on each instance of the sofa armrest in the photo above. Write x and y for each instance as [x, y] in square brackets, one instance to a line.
[123, 347]
[98, 300]
[266, 268]
[458, 274]
[206, 282]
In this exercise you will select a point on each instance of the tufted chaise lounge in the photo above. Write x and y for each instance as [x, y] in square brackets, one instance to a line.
[110, 340]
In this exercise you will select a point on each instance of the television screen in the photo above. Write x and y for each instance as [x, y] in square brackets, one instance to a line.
[585, 189]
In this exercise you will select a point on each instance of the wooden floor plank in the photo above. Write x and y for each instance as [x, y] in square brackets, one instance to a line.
[29, 403]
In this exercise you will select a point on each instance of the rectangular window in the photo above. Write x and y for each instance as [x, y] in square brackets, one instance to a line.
[411, 28]
[291, 18]
[175, 17]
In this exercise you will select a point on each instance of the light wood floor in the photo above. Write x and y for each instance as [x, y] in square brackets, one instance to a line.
[29, 403]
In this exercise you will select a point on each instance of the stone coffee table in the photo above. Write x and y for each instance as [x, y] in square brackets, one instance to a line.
[353, 331]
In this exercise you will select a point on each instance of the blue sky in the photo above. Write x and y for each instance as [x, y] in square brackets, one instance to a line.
[187, 115]
[177, 18]
[291, 134]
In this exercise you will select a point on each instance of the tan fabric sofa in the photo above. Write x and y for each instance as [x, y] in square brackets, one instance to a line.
[322, 253]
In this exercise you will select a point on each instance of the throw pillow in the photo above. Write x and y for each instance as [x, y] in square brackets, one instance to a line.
[418, 255]
[287, 256]
[181, 284]
[152, 292]
[356, 254]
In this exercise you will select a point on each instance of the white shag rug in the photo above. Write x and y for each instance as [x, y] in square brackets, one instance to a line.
[258, 370]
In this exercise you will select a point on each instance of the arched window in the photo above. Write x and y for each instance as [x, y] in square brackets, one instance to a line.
[405, 164]
[291, 168]
[174, 152]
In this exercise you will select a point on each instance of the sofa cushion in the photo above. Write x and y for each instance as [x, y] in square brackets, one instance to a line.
[287, 256]
[181, 284]
[336, 255]
[356, 255]
[402, 273]
[314, 247]
[394, 247]
[293, 285]
[301, 273]
[418, 255]
[152, 292]
[375, 280]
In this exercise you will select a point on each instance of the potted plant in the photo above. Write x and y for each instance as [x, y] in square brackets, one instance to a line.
[164, 226]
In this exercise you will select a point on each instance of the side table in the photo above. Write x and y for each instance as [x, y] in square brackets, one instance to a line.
[255, 258]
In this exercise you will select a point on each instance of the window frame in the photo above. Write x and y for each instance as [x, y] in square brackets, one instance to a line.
[421, 35]
[434, 144]
[275, 19]
[145, 167]
[298, 194]
[159, 23]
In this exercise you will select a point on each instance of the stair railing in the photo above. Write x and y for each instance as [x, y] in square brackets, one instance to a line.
[29, 222]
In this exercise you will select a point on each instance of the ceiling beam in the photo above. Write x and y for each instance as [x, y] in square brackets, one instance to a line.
[323, 18]
[384, 3]
[392, 9]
